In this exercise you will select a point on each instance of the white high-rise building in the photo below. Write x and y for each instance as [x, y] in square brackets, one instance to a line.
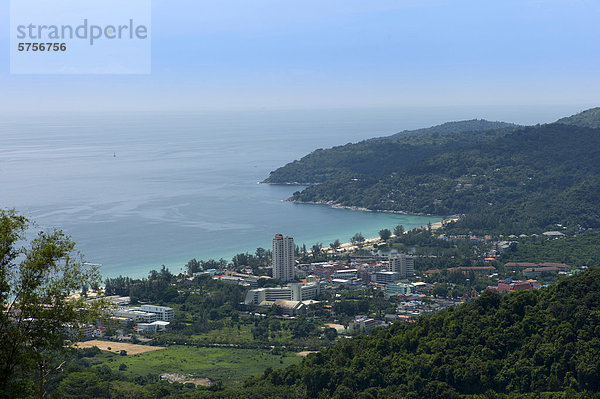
[402, 264]
[163, 313]
[293, 292]
[283, 257]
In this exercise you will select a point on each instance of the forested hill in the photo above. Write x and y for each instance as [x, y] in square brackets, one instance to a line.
[473, 125]
[527, 180]
[589, 118]
[523, 345]
[385, 155]
[511, 180]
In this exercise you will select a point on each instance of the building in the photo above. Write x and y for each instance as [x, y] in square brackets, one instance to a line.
[152, 327]
[86, 332]
[553, 234]
[163, 313]
[514, 265]
[508, 285]
[118, 300]
[283, 258]
[341, 281]
[394, 289]
[364, 324]
[540, 271]
[420, 286]
[248, 280]
[385, 277]
[291, 307]
[345, 274]
[136, 315]
[292, 292]
[402, 264]
[475, 269]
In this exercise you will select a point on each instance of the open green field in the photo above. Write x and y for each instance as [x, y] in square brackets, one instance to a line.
[228, 334]
[243, 335]
[229, 365]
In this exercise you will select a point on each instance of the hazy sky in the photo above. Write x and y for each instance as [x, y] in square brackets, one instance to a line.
[341, 53]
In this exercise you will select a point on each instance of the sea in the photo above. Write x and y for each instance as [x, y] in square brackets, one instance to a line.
[140, 190]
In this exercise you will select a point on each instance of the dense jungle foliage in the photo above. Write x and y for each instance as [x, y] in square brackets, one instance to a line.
[383, 156]
[525, 181]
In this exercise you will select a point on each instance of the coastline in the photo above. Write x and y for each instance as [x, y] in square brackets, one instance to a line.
[361, 209]
[177, 263]
[377, 240]
[295, 183]
[141, 270]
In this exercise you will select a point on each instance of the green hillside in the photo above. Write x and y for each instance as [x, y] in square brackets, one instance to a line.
[589, 118]
[512, 180]
[386, 155]
[533, 344]
[529, 179]
[473, 125]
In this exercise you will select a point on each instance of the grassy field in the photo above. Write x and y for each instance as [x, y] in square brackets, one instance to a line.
[227, 334]
[229, 365]
[243, 335]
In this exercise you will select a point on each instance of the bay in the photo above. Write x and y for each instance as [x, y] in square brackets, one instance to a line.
[140, 190]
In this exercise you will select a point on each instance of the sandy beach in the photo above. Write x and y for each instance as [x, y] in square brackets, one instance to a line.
[348, 246]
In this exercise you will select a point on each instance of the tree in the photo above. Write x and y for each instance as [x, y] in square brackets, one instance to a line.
[193, 266]
[398, 230]
[440, 290]
[38, 322]
[261, 253]
[330, 333]
[335, 245]
[385, 234]
[241, 259]
[316, 249]
[357, 238]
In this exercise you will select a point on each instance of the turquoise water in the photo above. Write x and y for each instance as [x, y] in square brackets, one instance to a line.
[138, 191]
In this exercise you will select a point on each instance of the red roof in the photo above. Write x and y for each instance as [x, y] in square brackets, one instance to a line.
[522, 286]
[472, 268]
[559, 265]
[433, 271]
[520, 264]
[541, 269]
[505, 287]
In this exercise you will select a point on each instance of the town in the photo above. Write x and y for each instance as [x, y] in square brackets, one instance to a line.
[348, 288]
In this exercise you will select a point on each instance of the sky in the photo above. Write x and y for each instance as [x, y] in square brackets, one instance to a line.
[305, 54]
